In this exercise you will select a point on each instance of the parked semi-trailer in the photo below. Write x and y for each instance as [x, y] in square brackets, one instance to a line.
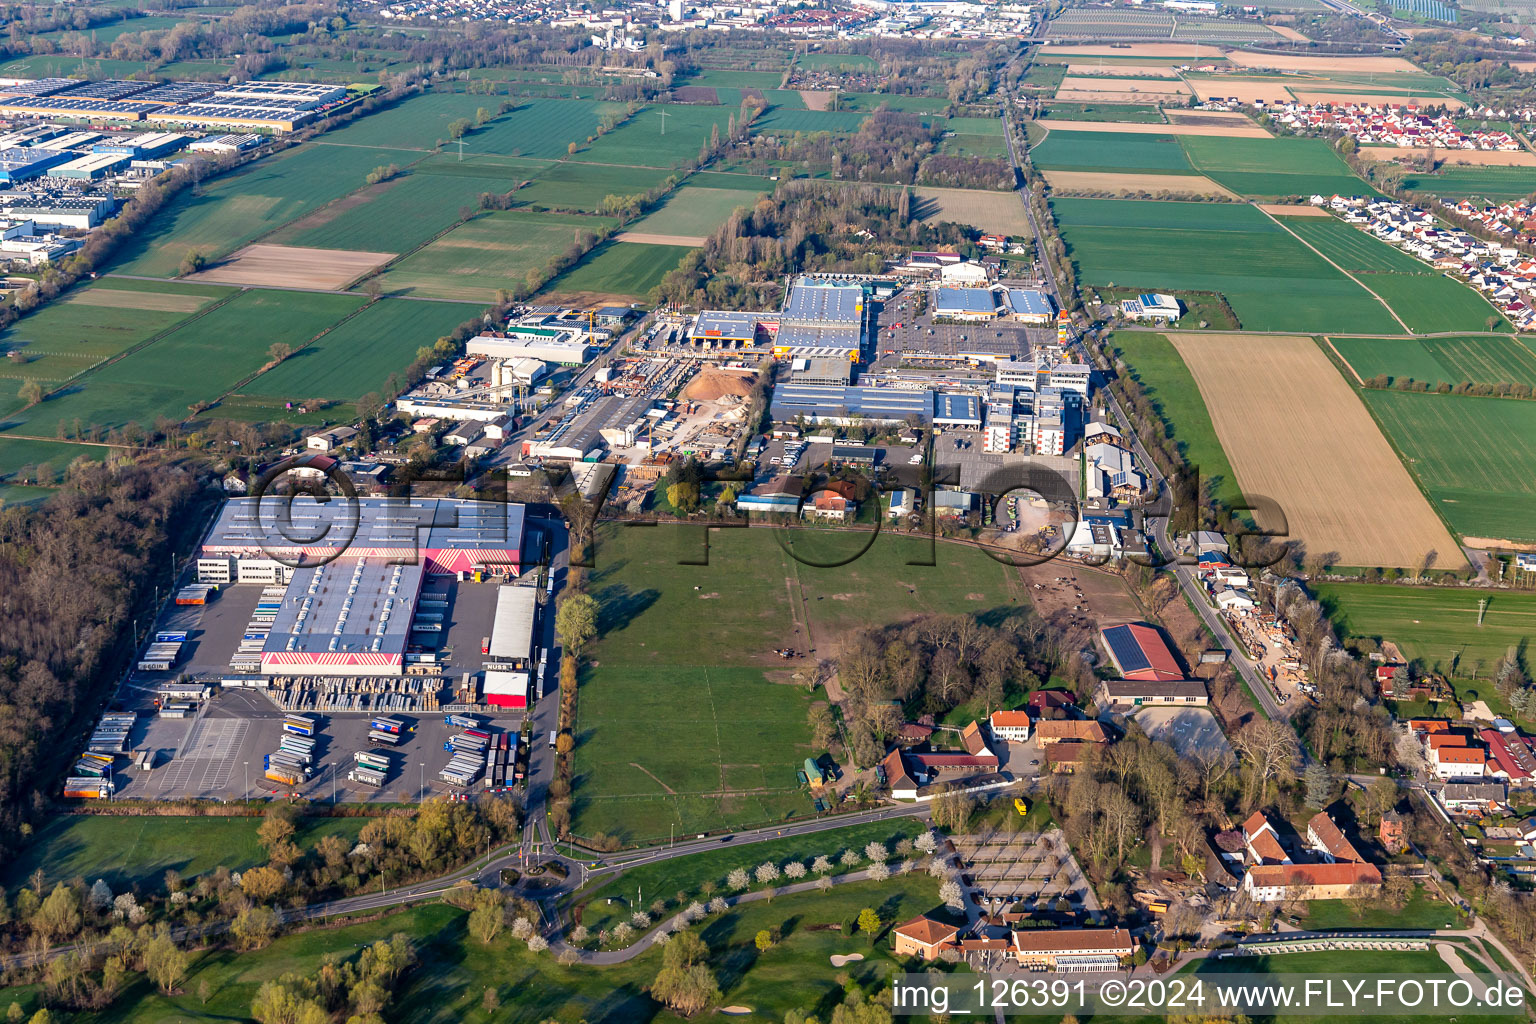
[283, 775]
[378, 762]
[461, 722]
[384, 723]
[299, 726]
[367, 776]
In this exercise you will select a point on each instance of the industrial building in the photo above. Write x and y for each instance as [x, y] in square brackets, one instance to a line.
[1045, 373]
[107, 89]
[973, 304]
[225, 143]
[821, 370]
[218, 115]
[1030, 306]
[952, 409]
[67, 106]
[730, 329]
[1151, 306]
[299, 95]
[23, 164]
[45, 209]
[564, 346]
[821, 318]
[89, 168]
[822, 403]
[446, 535]
[146, 146]
[349, 616]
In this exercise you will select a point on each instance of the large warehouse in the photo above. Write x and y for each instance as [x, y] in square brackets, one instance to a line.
[1138, 653]
[446, 535]
[822, 318]
[349, 617]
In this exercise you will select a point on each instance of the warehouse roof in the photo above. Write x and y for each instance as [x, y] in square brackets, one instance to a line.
[832, 400]
[336, 527]
[824, 303]
[108, 89]
[1030, 302]
[360, 607]
[965, 300]
[38, 86]
[1139, 653]
[715, 323]
[956, 407]
[512, 630]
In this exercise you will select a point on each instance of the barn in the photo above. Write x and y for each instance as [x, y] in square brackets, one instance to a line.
[1138, 652]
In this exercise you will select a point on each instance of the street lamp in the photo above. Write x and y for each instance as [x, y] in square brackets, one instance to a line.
[247, 794]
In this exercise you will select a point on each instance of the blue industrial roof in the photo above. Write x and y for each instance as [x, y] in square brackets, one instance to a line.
[967, 300]
[952, 406]
[823, 304]
[1030, 301]
[831, 399]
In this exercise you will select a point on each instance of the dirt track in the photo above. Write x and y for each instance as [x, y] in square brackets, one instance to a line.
[1470, 157]
[288, 266]
[1293, 210]
[655, 239]
[1106, 181]
[1296, 433]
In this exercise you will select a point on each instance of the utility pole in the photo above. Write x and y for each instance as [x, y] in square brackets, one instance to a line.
[1482, 606]
[663, 120]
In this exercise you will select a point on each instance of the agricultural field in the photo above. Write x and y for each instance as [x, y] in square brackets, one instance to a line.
[1433, 623]
[535, 128]
[19, 453]
[781, 120]
[1130, 112]
[1492, 183]
[236, 208]
[139, 850]
[1434, 303]
[990, 212]
[1335, 497]
[96, 323]
[286, 266]
[717, 78]
[478, 258]
[693, 210]
[1110, 152]
[620, 271]
[1171, 388]
[836, 62]
[1273, 167]
[1142, 185]
[197, 362]
[1351, 248]
[976, 147]
[1476, 458]
[650, 140]
[398, 218]
[357, 356]
[1477, 360]
[1271, 280]
[582, 187]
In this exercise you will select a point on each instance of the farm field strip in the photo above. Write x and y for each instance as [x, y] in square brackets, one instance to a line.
[1282, 166]
[693, 210]
[1248, 130]
[618, 271]
[1095, 181]
[990, 212]
[1108, 152]
[284, 266]
[1478, 360]
[1336, 496]
[1431, 622]
[1475, 456]
[1272, 281]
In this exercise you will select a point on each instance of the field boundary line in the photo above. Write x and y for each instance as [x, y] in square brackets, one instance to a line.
[235, 390]
[159, 335]
[1345, 362]
[1408, 330]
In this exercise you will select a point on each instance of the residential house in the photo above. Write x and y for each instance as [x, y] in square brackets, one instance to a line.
[1262, 841]
[894, 771]
[1475, 797]
[1135, 693]
[1391, 833]
[1009, 726]
[1325, 837]
[830, 505]
[330, 440]
[1044, 700]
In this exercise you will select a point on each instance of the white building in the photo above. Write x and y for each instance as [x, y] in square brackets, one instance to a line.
[1151, 306]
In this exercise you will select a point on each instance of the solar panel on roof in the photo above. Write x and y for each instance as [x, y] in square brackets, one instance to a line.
[1126, 651]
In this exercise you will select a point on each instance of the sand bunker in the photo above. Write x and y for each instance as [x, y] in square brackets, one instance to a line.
[713, 385]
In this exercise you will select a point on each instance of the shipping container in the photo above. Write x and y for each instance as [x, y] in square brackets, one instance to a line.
[479, 734]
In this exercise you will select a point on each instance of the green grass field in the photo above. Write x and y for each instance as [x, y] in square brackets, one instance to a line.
[1157, 365]
[95, 323]
[404, 215]
[572, 186]
[1476, 457]
[489, 253]
[694, 211]
[782, 119]
[1129, 112]
[1273, 167]
[977, 147]
[538, 128]
[1271, 280]
[836, 62]
[686, 652]
[723, 79]
[234, 209]
[692, 873]
[650, 140]
[1110, 151]
[357, 357]
[1433, 623]
[198, 361]
[1479, 360]
[619, 269]
[1493, 183]
[1351, 248]
[16, 453]
[1419, 912]
[1435, 304]
[138, 850]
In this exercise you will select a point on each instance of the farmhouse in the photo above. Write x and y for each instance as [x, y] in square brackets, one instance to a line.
[1271, 883]
[330, 440]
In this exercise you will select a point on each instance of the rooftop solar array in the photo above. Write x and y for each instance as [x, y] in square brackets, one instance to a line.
[38, 87]
[110, 89]
[1030, 302]
[230, 112]
[176, 92]
[1124, 648]
[67, 102]
[968, 300]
